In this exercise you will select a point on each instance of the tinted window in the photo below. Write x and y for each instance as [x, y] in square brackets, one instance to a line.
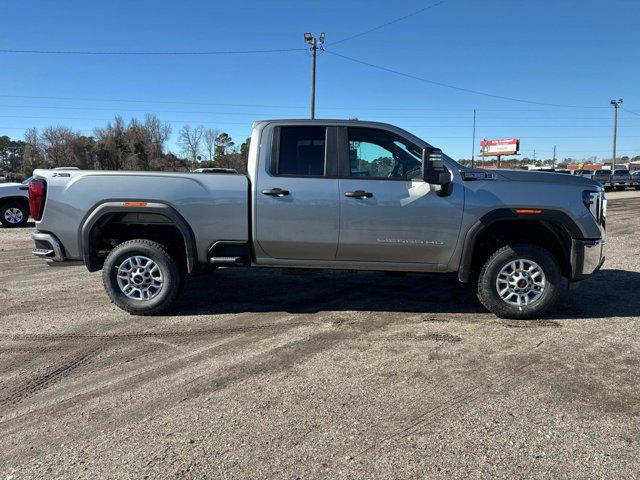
[375, 153]
[621, 172]
[301, 151]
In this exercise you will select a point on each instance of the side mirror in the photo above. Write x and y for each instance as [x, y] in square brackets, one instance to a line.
[434, 171]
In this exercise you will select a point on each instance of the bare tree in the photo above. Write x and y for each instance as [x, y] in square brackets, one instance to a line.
[57, 146]
[209, 138]
[158, 134]
[190, 142]
[33, 156]
[111, 146]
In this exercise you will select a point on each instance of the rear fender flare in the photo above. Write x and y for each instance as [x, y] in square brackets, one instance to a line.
[118, 206]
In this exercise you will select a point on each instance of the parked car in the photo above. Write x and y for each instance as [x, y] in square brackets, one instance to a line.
[635, 179]
[14, 203]
[337, 194]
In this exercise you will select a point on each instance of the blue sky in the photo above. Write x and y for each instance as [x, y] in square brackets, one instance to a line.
[566, 52]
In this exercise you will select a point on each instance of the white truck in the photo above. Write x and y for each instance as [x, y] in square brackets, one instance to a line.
[14, 203]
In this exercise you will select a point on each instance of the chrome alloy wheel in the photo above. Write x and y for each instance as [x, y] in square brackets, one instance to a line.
[140, 278]
[13, 215]
[521, 282]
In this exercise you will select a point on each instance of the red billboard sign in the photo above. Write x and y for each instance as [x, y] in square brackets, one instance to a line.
[505, 146]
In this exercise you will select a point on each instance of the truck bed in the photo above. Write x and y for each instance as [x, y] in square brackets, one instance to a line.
[215, 206]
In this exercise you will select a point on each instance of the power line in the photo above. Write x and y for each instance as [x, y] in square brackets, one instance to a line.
[461, 125]
[188, 53]
[630, 111]
[353, 108]
[386, 24]
[255, 114]
[111, 119]
[59, 107]
[454, 87]
[170, 102]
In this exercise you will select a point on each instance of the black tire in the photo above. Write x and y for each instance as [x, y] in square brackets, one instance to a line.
[8, 212]
[488, 292]
[637, 187]
[172, 276]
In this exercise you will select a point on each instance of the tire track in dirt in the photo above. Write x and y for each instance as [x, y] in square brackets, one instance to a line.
[44, 381]
[459, 399]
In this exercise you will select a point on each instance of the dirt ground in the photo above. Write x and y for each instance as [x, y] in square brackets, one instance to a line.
[260, 374]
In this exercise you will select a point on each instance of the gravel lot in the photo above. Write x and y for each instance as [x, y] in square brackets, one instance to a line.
[260, 374]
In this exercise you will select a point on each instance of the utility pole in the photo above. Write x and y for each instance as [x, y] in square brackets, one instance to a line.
[616, 104]
[473, 142]
[554, 155]
[313, 41]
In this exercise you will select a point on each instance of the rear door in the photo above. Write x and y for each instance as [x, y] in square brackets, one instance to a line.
[387, 212]
[297, 208]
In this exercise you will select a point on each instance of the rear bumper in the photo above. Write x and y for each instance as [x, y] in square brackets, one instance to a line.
[587, 256]
[47, 246]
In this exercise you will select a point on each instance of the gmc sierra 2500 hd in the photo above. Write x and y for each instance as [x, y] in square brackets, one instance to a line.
[336, 194]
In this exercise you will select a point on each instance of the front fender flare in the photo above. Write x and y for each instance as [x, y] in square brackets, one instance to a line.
[545, 215]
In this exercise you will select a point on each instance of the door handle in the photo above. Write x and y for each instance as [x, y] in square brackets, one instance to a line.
[275, 192]
[358, 194]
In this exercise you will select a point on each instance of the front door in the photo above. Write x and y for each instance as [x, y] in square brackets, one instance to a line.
[387, 212]
[297, 207]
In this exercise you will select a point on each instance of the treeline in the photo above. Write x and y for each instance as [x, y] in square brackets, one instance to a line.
[136, 145]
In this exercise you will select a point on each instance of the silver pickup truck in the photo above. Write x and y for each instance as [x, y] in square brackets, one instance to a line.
[336, 194]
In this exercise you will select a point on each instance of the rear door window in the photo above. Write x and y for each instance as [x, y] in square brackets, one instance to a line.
[301, 151]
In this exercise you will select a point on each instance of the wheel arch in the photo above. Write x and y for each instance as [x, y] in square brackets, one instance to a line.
[148, 213]
[24, 201]
[554, 229]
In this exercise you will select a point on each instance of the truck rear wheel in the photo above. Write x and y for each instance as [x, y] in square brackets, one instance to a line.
[520, 281]
[14, 214]
[141, 277]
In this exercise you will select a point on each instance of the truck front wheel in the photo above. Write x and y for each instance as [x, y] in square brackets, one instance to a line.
[141, 277]
[519, 281]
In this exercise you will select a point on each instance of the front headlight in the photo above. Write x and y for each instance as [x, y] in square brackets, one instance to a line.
[596, 203]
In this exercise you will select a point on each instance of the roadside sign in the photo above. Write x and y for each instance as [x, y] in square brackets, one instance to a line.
[505, 146]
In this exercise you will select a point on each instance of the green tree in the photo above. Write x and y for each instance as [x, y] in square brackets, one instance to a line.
[223, 143]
